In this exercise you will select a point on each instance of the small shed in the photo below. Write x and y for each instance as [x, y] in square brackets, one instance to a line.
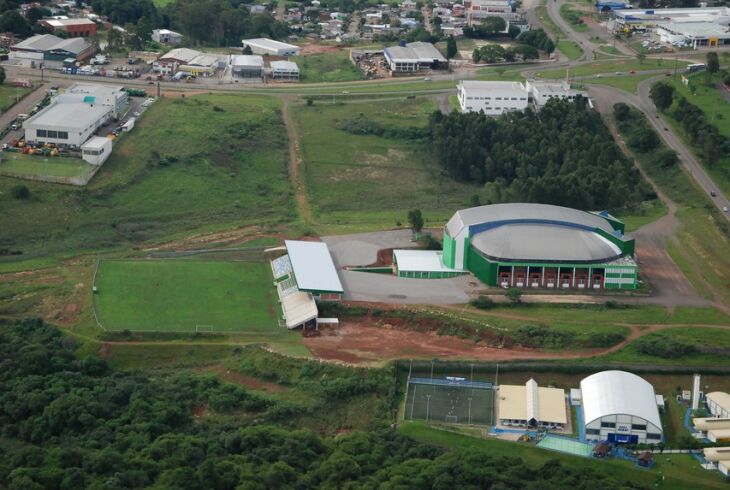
[575, 397]
[96, 150]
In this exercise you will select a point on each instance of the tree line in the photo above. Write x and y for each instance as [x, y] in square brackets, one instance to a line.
[71, 423]
[563, 155]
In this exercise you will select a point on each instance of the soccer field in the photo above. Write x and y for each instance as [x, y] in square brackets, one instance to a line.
[186, 296]
[449, 403]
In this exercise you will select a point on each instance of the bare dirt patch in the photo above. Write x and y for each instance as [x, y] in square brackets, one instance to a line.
[359, 343]
[241, 379]
[317, 49]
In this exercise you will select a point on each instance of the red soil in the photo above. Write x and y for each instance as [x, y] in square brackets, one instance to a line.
[244, 380]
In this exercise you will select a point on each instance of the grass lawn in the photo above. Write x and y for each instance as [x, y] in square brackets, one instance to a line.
[702, 247]
[332, 66]
[391, 174]
[179, 295]
[627, 83]
[506, 73]
[17, 164]
[198, 163]
[678, 471]
[573, 17]
[702, 338]
[717, 113]
[565, 46]
[611, 66]
[9, 95]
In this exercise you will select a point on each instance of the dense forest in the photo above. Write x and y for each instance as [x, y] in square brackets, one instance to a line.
[71, 423]
[563, 155]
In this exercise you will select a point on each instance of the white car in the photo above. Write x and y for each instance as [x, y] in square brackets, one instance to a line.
[724, 208]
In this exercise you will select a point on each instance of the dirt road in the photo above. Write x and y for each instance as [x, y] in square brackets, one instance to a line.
[295, 164]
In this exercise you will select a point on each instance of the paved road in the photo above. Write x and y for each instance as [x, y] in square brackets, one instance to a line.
[685, 155]
[22, 107]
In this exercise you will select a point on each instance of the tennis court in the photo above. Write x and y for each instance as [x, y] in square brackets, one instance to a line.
[454, 402]
[565, 445]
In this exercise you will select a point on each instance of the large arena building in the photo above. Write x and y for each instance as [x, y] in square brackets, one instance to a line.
[539, 246]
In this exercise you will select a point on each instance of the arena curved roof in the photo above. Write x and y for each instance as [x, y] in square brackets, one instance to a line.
[545, 243]
[618, 392]
[494, 215]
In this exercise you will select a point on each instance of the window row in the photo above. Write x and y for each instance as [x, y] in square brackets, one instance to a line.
[59, 135]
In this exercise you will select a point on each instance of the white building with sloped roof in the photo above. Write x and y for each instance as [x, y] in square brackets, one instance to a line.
[531, 405]
[414, 57]
[718, 402]
[492, 97]
[620, 407]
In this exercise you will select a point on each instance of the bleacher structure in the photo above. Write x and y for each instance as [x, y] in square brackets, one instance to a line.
[297, 306]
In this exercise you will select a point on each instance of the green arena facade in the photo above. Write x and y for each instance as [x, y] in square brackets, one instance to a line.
[526, 245]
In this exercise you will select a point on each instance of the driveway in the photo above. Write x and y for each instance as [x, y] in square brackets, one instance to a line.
[362, 248]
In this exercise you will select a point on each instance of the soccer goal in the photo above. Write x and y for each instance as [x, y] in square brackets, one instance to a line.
[203, 328]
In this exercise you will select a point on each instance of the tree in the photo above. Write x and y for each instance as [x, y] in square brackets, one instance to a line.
[2, 75]
[641, 57]
[415, 219]
[713, 63]
[662, 94]
[12, 21]
[247, 49]
[451, 48]
[20, 192]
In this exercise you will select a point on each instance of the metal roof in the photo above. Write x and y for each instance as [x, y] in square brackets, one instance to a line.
[298, 308]
[313, 267]
[421, 261]
[287, 66]
[247, 60]
[717, 453]
[49, 42]
[265, 43]
[418, 52]
[71, 115]
[518, 402]
[542, 242]
[95, 143]
[182, 54]
[491, 86]
[68, 22]
[523, 211]
[719, 398]
[709, 423]
[618, 392]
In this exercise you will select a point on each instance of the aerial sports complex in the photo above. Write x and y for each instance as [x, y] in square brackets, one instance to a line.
[530, 246]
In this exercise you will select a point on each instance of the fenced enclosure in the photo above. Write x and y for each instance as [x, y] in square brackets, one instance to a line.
[451, 401]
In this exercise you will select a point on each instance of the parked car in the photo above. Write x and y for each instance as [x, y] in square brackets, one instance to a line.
[713, 193]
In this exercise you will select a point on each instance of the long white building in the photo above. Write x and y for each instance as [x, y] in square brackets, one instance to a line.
[718, 403]
[620, 407]
[492, 98]
[271, 47]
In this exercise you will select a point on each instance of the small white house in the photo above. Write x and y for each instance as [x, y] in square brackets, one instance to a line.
[96, 150]
[271, 47]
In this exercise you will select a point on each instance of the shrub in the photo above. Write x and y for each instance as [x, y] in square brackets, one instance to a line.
[482, 302]
[664, 347]
[20, 192]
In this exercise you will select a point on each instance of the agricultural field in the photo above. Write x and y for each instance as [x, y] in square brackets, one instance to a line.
[331, 66]
[347, 164]
[191, 163]
[185, 296]
[17, 164]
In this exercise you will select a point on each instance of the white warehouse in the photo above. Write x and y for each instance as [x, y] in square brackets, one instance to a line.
[271, 47]
[75, 115]
[620, 407]
[493, 98]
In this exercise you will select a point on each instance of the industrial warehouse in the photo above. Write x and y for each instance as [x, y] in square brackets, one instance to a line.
[494, 98]
[693, 27]
[530, 246]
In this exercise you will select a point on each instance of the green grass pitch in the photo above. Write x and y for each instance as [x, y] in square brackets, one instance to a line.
[450, 404]
[181, 295]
